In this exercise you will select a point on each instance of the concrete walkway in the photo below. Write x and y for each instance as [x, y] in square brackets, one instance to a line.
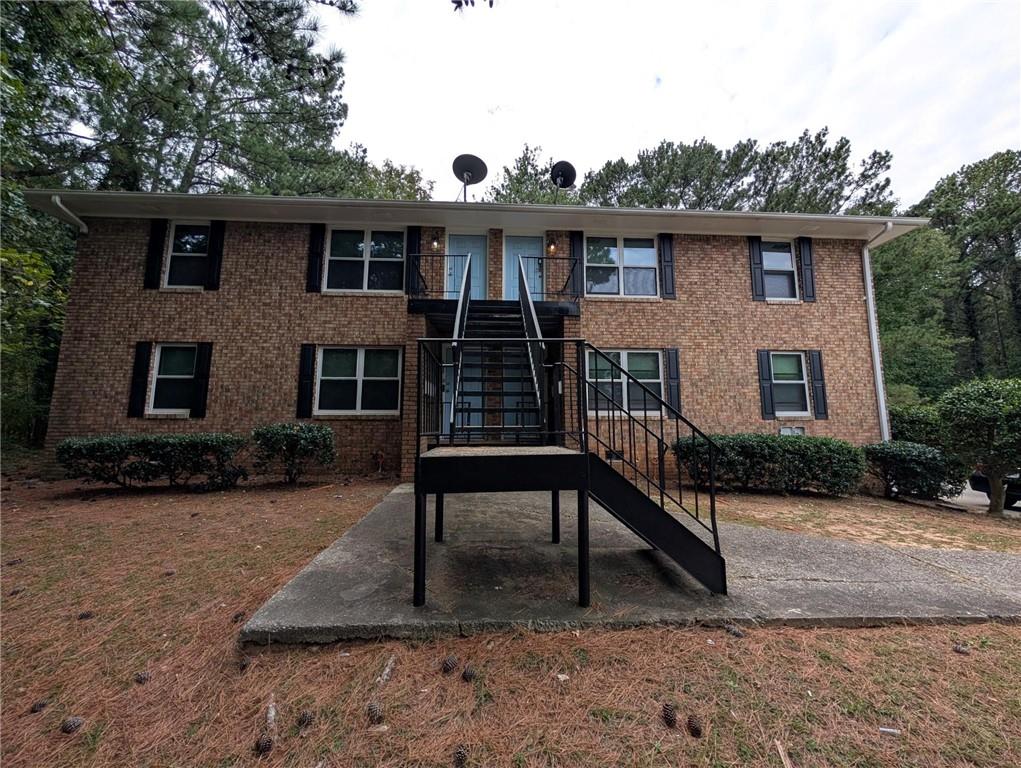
[497, 570]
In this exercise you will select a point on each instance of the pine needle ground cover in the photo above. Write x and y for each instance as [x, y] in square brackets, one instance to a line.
[163, 580]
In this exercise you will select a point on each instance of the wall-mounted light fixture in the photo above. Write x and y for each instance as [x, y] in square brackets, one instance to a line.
[551, 246]
[436, 243]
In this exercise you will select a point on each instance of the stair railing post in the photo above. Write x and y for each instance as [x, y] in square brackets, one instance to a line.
[712, 495]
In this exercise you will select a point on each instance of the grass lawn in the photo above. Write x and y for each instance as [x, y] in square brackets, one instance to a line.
[169, 575]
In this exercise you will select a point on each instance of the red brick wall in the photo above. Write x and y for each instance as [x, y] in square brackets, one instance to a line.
[262, 314]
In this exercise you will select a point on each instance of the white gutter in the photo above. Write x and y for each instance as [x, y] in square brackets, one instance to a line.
[877, 361]
[82, 226]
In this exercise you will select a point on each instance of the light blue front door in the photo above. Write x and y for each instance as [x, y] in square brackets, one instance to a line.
[516, 246]
[459, 246]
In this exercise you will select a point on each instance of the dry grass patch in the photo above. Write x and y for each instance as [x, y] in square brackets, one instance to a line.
[871, 519]
[165, 573]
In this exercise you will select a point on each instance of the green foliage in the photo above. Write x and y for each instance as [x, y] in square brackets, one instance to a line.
[293, 447]
[528, 181]
[807, 175]
[780, 463]
[127, 460]
[913, 469]
[916, 424]
[981, 426]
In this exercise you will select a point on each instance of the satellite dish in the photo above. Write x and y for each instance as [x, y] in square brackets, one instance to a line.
[563, 174]
[469, 169]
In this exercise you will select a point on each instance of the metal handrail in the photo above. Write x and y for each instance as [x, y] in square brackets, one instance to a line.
[421, 287]
[460, 322]
[536, 349]
[573, 295]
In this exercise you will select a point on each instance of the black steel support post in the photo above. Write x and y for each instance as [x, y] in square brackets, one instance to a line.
[583, 535]
[556, 517]
[419, 579]
[439, 517]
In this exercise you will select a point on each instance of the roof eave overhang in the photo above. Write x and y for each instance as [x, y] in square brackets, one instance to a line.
[520, 218]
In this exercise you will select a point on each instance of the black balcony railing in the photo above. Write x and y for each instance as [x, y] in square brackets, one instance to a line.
[549, 278]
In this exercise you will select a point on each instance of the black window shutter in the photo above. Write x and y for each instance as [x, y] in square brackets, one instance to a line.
[766, 384]
[577, 263]
[316, 249]
[215, 258]
[668, 288]
[203, 359]
[807, 269]
[306, 380]
[411, 259]
[755, 259]
[672, 377]
[139, 379]
[818, 384]
[154, 257]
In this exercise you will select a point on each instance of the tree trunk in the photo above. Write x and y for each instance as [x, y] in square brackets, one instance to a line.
[997, 495]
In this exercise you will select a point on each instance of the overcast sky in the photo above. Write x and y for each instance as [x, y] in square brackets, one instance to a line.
[937, 83]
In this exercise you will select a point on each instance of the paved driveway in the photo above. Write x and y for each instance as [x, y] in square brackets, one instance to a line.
[497, 570]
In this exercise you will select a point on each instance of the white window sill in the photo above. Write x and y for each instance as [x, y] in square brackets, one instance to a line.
[783, 301]
[183, 288]
[356, 415]
[603, 297]
[168, 415]
[794, 416]
[359, 292]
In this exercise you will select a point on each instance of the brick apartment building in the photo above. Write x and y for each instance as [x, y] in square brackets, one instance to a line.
[219, 313]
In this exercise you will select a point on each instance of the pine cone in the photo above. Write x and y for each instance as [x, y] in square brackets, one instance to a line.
[142, 677]
[449, 664]
[669, 715]
[85, 615]
[39, 706]
[734, 629]
[237, 617]
[71, 724]
[263, 745]
[306, 718]
[695, 726]
[374, 713]
[461, 756]
[469, 674]
[962, 649]
[243, 663]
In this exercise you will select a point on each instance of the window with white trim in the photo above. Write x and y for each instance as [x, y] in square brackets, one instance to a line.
[173, 381]
[779, 270]
[789, 383]
[187, 263]
[358, 380]
[621, 266]
[614, 390]
[364, 260]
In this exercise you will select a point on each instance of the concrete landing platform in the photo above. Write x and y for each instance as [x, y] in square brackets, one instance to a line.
[497, 570]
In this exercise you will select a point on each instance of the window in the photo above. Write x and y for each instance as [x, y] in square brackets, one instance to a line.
[778, 270]
[611, 383]
[792, 431]
[358, 380]
[188, 259]
[364, 260]
[173, 385]
[790, 386]
[620, 266]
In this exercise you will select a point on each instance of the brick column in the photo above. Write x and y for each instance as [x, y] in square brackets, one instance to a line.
[416, 329]
[495, 265]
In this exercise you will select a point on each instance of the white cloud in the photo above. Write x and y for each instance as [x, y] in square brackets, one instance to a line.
[937, 83]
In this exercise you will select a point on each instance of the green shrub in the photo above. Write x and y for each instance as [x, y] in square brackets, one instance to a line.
[786, 464]
[913, 469]
[293, 447]
[127, 460]
[916, 424]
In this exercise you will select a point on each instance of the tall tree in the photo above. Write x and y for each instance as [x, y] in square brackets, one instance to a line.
[979, 208]
[528, 181]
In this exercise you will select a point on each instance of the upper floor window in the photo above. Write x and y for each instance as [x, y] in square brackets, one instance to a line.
[615, 391]
[173, 382]
[358, 380]
[620, 266]
[188, 259]
[364, 260]
[779, 270]
[789, 384]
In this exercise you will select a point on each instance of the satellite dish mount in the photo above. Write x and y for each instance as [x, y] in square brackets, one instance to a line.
[469, 169]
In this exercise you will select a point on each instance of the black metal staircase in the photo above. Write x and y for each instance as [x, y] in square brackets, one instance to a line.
[501, 408]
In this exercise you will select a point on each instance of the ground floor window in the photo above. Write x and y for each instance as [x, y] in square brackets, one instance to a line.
[790, 384]
[173, 384]
[358, 380]
[615, 391]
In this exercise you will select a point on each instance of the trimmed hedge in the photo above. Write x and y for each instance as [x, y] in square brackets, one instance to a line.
[913, 469]
[293, 447]
[787, 464]
[916, 424]
[127, 460]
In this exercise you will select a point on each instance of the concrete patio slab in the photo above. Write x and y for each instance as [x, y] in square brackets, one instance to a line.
[497, 570]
